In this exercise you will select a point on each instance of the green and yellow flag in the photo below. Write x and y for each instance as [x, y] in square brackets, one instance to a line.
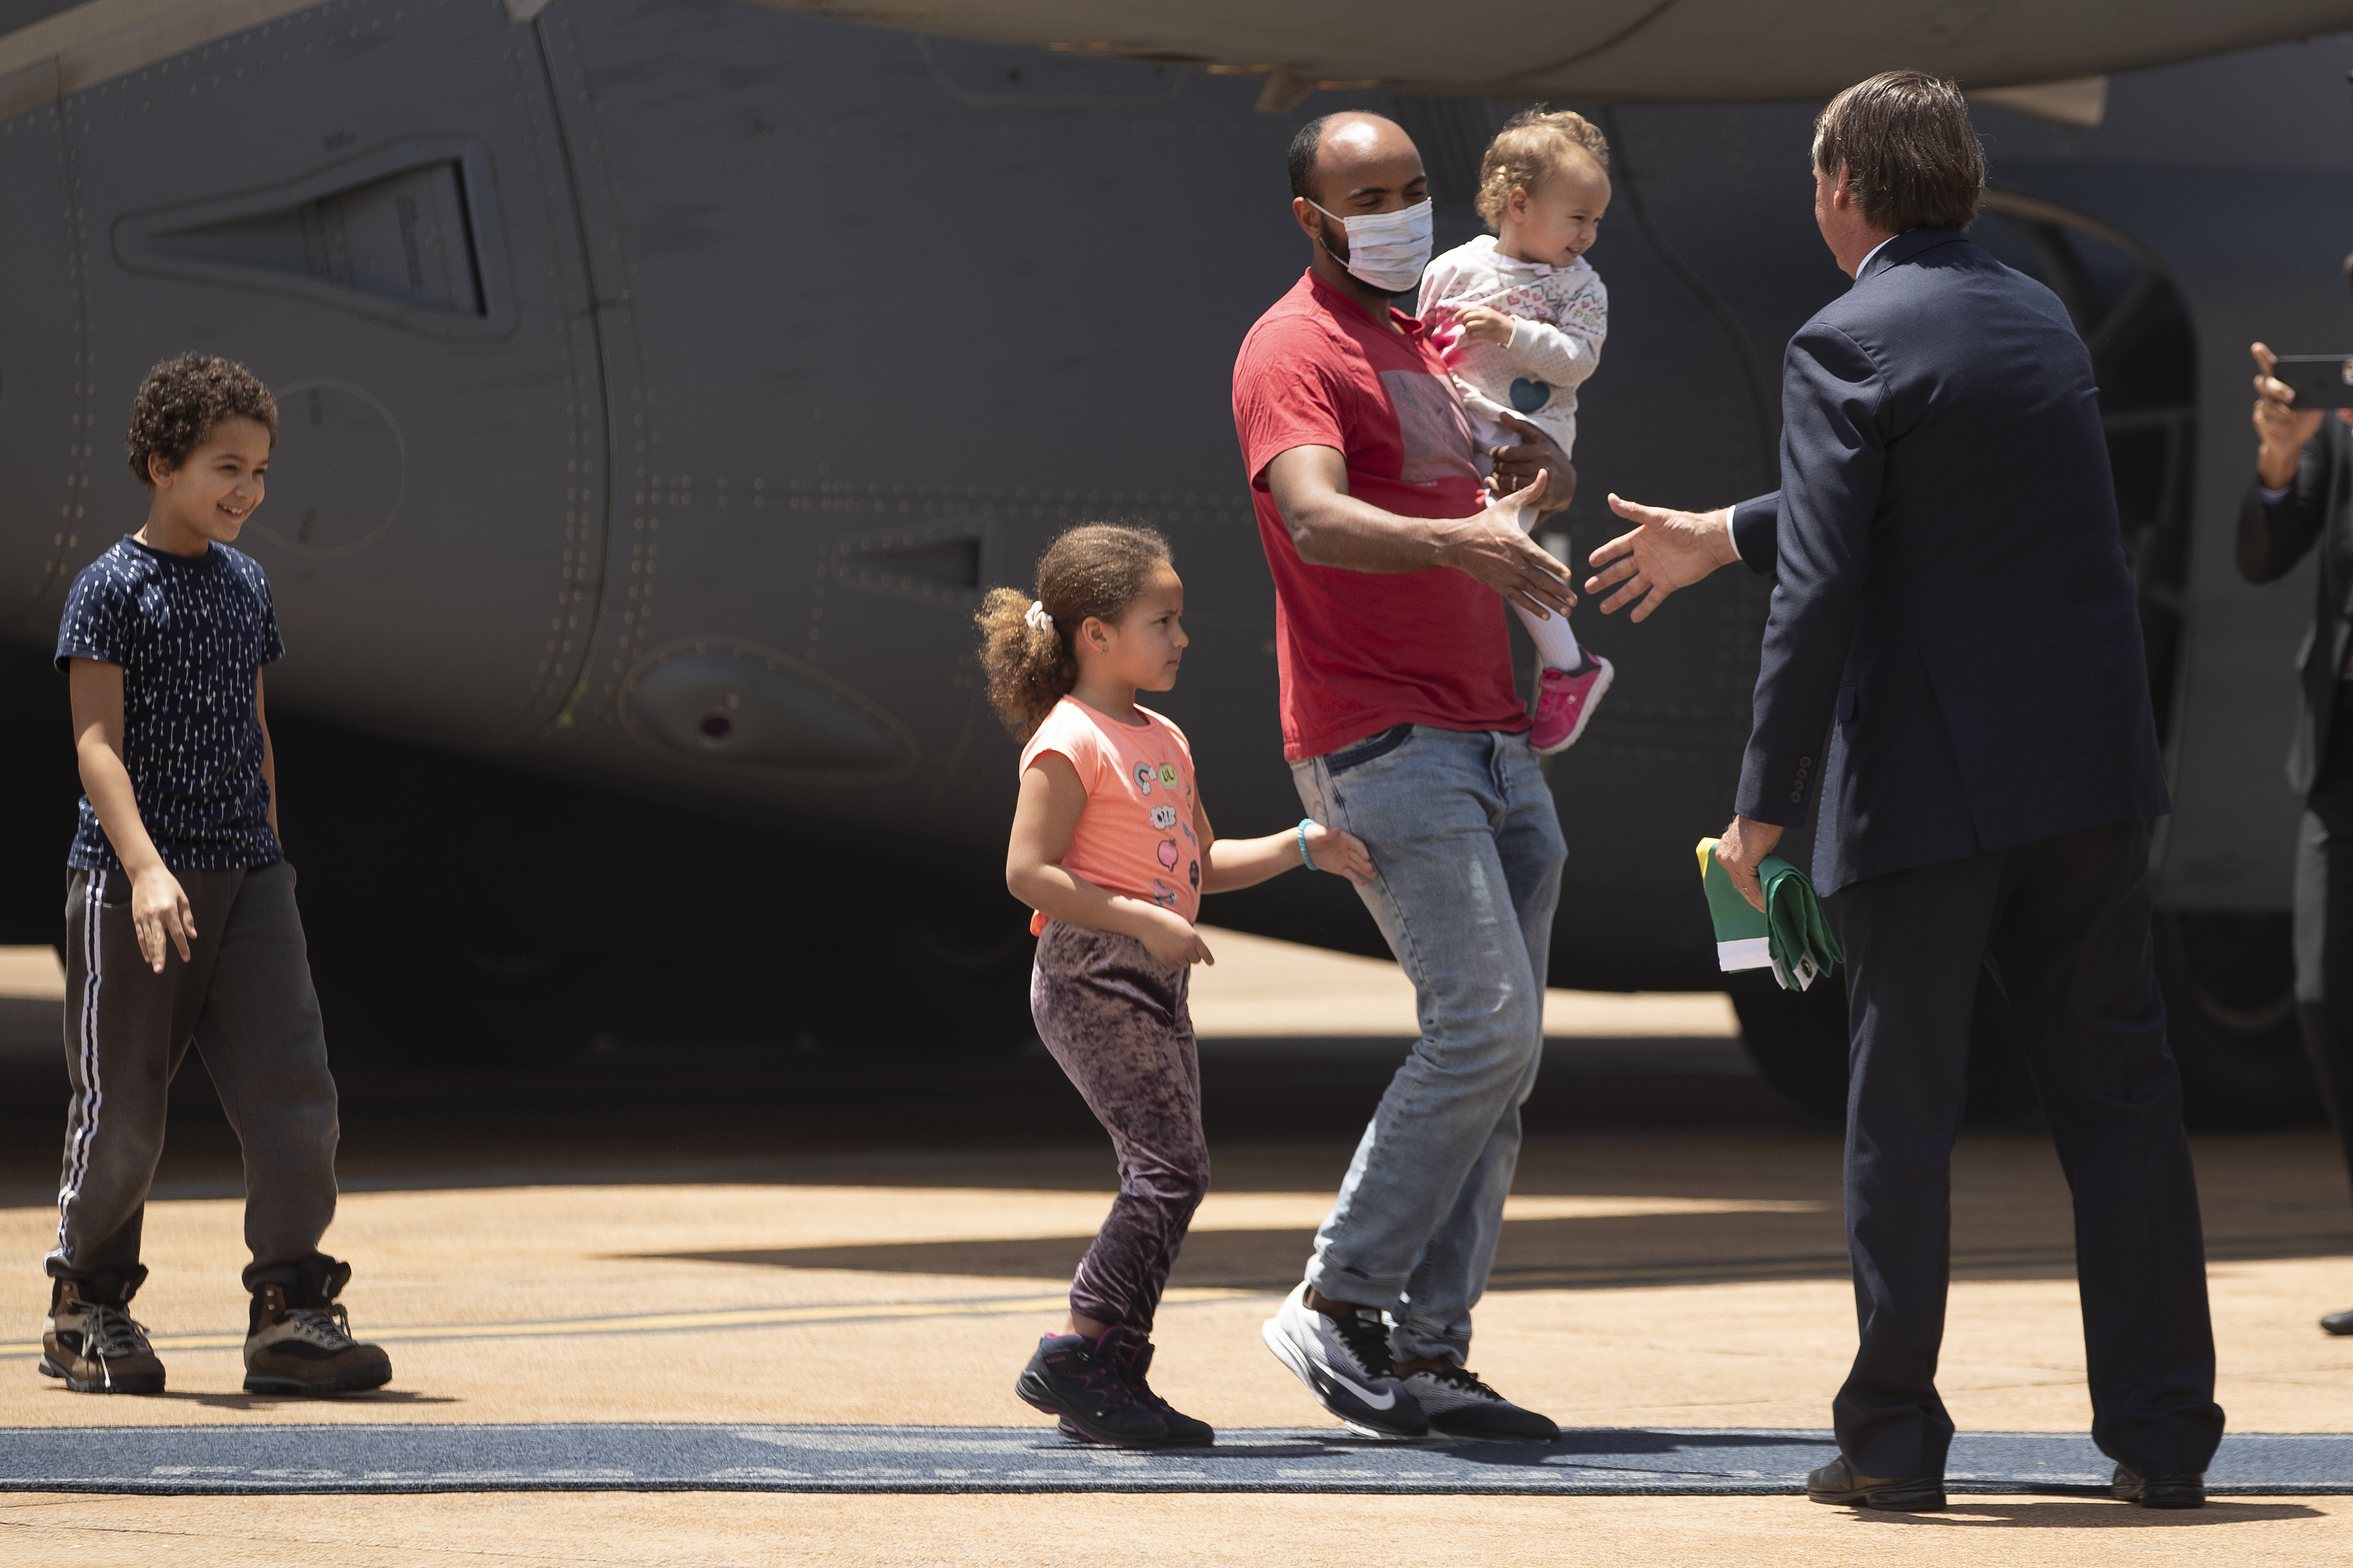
[1790, 935]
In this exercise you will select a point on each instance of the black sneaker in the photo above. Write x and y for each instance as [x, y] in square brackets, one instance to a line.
[2337, 1323]
[1072, 1377]
[1460, 1405]
[1344, 1363]
[1133, 1355]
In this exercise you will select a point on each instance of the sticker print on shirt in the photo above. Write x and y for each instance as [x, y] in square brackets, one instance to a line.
[1168, 775]
[1163, 894]
[1169, 854]
[1144, 777]
[1163, 817]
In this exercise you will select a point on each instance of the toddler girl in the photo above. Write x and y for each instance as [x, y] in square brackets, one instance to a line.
[1112, 847]
[1520, 318]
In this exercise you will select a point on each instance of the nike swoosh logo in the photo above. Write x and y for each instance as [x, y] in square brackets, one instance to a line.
[1372, 1401]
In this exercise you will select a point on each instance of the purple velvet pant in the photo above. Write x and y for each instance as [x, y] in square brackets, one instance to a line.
[1114, 1017]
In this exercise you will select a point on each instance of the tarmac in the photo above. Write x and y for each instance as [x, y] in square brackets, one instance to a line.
[628, 1297]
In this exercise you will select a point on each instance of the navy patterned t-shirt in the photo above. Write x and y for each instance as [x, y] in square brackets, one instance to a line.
[191, 632]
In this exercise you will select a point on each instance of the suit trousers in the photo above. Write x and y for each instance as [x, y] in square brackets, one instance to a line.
[2324, 923]
[2063, 924]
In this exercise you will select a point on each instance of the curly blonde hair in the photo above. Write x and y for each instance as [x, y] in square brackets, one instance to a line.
[1532, 144]
[181, 403]
[1096, 570]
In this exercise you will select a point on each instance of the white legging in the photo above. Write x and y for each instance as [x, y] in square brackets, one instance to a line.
[1553, 640]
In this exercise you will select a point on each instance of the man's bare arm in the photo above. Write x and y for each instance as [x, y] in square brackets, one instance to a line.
[1332, 528]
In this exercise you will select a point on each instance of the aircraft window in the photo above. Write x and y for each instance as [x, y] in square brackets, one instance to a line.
[2136, 323]
[402, 239]
[408, 232]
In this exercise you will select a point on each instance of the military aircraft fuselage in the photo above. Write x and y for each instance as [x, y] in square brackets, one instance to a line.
[661, 385]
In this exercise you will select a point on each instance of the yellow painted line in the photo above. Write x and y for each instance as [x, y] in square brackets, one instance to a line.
[670, 1322]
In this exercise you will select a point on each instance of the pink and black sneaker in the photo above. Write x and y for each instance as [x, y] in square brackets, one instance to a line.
[1085, 1382]
[1565, 698]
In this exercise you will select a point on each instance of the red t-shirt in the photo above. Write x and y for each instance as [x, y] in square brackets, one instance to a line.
[1362, 651]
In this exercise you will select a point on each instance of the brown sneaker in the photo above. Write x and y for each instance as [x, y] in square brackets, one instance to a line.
[300, 1340]
[92, 1343]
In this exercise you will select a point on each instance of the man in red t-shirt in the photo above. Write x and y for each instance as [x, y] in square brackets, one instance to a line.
[1402, 726]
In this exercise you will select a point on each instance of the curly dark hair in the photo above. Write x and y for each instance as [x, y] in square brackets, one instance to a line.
[183, 400]
[1095, 570]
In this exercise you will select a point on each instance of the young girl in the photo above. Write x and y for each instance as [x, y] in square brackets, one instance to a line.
[1520, 318]
[1112, 847]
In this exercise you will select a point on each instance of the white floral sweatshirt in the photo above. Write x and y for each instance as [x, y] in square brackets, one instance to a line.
[1563, 315]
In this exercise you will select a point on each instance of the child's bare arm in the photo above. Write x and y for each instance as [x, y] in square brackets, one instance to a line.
[1044, 818]
[158, 908]
[269, 752]
[1227, 864]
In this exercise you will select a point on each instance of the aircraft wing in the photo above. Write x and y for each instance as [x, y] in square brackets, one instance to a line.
[1689, 50]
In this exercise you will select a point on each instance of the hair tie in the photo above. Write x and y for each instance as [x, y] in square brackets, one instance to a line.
[1037, 616]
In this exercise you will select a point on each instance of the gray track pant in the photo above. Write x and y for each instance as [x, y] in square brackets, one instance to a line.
[245, 1001]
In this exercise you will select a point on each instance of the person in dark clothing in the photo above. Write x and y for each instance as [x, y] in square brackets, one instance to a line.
[181, 924]
[1988, 765]
[2302, 501]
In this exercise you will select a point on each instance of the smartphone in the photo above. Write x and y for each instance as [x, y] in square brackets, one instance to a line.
[2321, 381]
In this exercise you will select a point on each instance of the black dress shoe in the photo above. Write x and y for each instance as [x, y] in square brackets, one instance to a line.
[2337, 1323]
[2159, 1492]
[1839, 1482]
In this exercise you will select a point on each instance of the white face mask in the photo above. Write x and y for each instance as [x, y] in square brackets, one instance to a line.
[1386, 251]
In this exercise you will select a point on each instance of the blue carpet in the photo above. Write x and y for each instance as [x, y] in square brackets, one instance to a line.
[593, 1457]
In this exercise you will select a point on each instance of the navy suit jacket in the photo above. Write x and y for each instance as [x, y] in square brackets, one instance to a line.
[1952, 603]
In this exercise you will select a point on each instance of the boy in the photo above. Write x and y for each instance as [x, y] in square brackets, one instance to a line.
[180, 917]
[1520, 317]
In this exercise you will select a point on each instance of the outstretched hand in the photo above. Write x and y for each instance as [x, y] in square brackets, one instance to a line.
[1494, 547]
[1666, 551]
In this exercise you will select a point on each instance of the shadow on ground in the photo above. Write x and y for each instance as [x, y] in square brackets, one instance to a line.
[2089, 1515]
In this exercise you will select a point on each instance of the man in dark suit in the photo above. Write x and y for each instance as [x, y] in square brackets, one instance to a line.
[2303, 499]
[1953, 610]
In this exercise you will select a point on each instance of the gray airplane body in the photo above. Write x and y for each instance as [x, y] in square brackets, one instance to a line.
[661, 385]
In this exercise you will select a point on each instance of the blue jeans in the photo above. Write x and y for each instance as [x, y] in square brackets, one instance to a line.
[1468, 853]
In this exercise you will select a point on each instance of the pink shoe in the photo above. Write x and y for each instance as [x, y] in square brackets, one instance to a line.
[1565, 700]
